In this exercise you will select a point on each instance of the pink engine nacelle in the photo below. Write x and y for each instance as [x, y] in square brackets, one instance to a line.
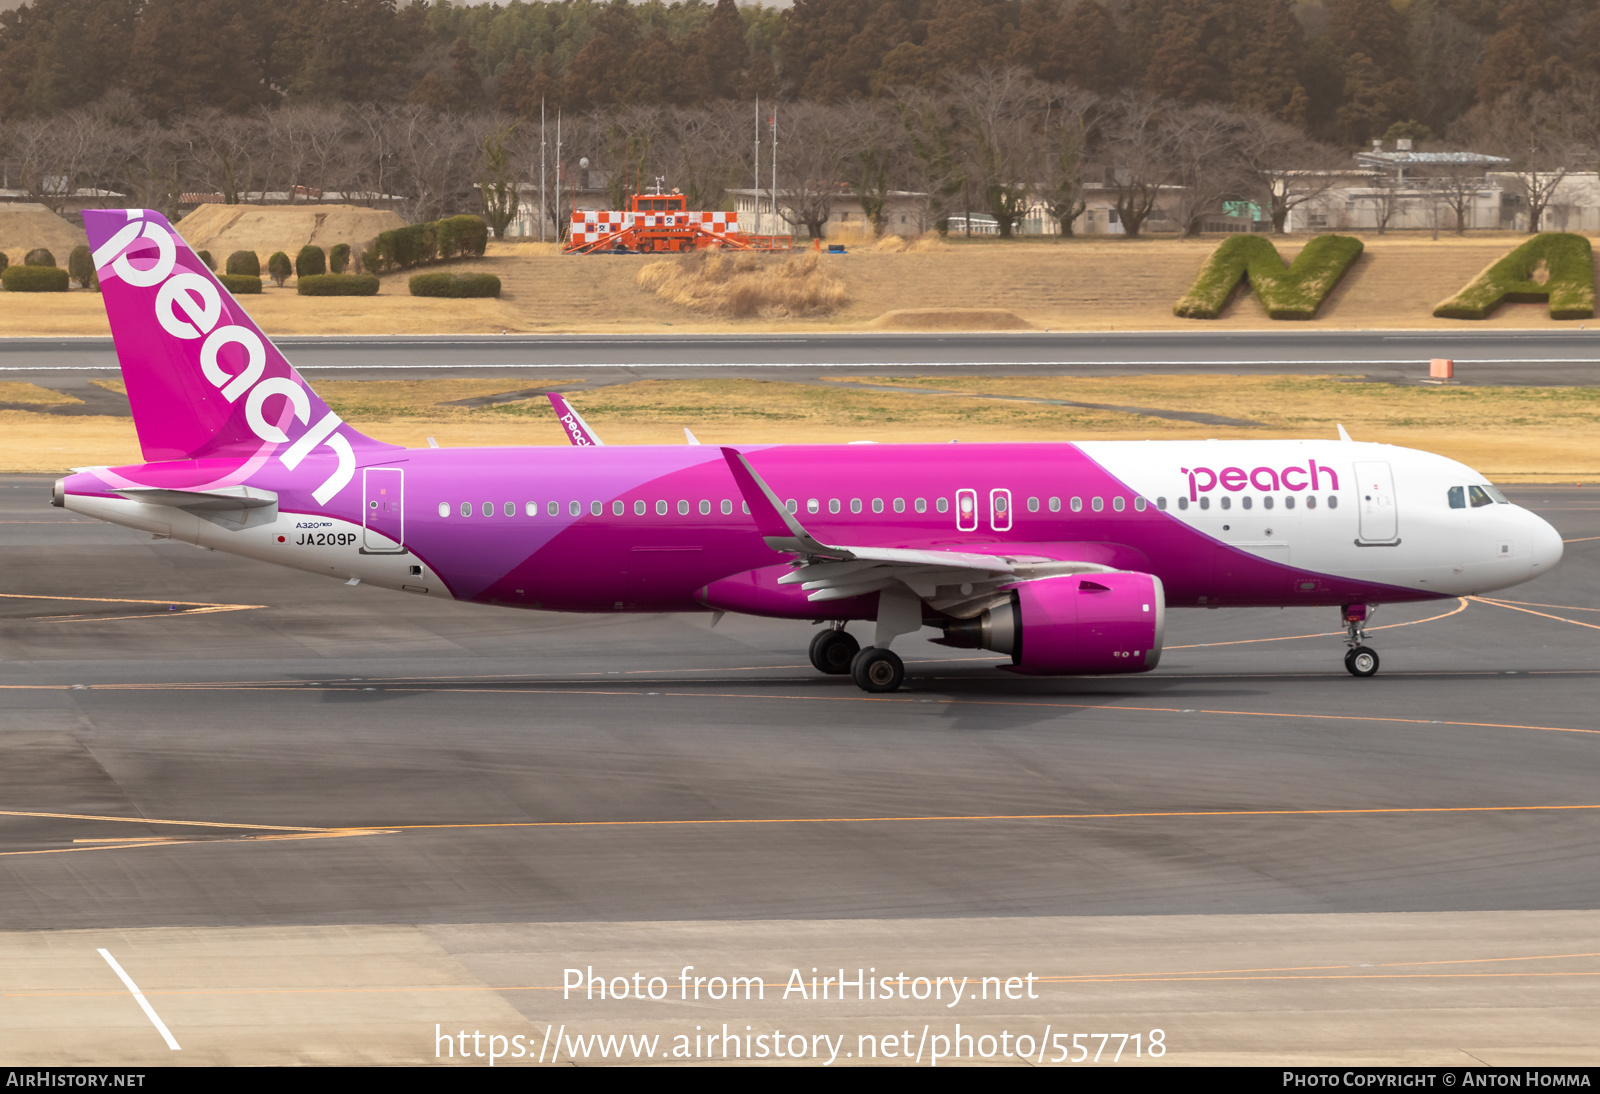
[1081, 623]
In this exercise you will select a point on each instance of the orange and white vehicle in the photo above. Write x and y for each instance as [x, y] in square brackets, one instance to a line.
[662, 224]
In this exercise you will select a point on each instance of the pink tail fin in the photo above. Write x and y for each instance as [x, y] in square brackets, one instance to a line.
[202, 379]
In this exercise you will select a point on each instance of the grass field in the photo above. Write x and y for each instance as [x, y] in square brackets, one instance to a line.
[1080, 284]
[1512, 434]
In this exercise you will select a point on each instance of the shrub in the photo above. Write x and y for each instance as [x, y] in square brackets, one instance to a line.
[240, 284]
[1567, 263]
[744, 285]
[39, 256]
[205, 256]
[338, 285]
[311, 260]
[455, 285]
[339, 258]
[80, 267]
[4, 261]
[34, 279]
[244, 262]
[1294, 291]
[462, 237]
[278, 268]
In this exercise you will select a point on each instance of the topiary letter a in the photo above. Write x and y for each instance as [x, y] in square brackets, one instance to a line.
[1567, 267]
[1287, 292]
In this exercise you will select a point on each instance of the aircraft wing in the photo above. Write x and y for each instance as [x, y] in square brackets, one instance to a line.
[578, 431]
[961, 583]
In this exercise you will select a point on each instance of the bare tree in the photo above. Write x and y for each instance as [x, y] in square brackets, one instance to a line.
[1536, 131]
[1205, 140]
[936, 162]
[1069, 120]
[1283, 168]
[1000, 112]
[434, 155]
[812, 166]
[877, 154]
[1137, 157]
[225, 152]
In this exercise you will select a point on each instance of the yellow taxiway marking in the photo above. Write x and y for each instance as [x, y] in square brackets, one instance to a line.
[1461, 606]
[192, 607]
[1543, 615]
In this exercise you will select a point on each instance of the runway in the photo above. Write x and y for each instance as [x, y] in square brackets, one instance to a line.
[1488, 356]
[268, 794]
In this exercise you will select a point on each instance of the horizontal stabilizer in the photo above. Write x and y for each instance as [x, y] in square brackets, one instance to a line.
[214, 500]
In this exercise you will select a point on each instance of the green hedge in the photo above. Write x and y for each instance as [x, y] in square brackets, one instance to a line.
[244, 262]
[421, 244]
[205, 256]
[311, 261]
[34, 279]
[279, 267]
[1287, 292]
[39, 256]
[339, 258]
[455, 285]
[240, 284]
[80, 267]
[338, 285]
[1569, 287]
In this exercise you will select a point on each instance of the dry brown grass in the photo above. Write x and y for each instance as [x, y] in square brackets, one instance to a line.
[11, 391]
[744, 285]
[26, 225]
[1080, 284]
[223, 229]
[1511, 434]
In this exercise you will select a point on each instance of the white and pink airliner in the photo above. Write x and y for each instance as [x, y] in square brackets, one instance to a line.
[1063, 556]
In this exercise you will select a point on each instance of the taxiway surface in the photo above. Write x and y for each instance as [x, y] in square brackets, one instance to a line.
[204, 756]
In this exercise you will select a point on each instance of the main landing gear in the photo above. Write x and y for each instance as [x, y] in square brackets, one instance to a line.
[833, 650]
[1359, 660]
[876, 669]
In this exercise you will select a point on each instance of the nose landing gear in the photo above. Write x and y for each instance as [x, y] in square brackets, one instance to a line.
[1360, 659]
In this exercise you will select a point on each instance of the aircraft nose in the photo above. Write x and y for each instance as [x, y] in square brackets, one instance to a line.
[1546, 544]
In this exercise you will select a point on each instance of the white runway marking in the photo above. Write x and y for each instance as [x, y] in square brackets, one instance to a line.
[150, 1012]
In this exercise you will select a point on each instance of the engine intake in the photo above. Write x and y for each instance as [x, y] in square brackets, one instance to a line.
[1080, 623]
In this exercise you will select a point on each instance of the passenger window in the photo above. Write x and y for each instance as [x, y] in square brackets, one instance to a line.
[596, 508]
[1266, 502]
[639, 508]
[943, 504]
[833, 505]
[1097, 505]
[1138, 505]
[1077, 505]
[1118, 504]
[705, 508]
[661, 508]
[511, 508]
[1458, 497]
[444, 509]
[1205, 503]
[1244, 502]
[855, 505]
[1183, 503]
[555, 509]
[899, 505]
[575, 508]
[792, 505]
[1227, 502]
[1311, 501]
[1333, 501]
[922, 505]
[1161, 504]
[877, 505]
[727, 507]
[683, 508]
[1478, 497]
[488, 508]
[1288, 502]
[1055, 505]
[813, 505]
[531, 509]
[1033, 505]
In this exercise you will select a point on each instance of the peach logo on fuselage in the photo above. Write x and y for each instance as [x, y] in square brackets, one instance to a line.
[1203, 480]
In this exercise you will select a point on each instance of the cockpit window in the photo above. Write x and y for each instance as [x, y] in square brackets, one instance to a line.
[1458, 497]
[1479, 497]
[1496, 495]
